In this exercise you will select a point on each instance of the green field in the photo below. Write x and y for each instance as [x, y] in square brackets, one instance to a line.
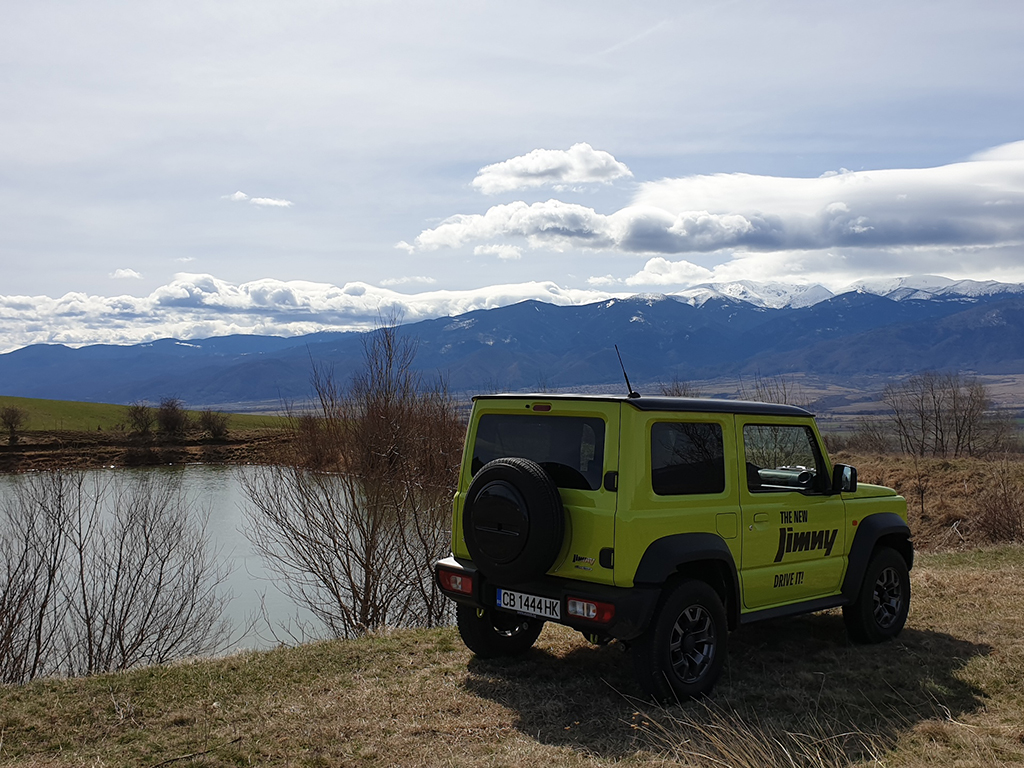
[67, 415]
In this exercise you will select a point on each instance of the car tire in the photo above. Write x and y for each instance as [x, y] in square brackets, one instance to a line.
[513, 521]
[491, 634]
[881, 607]
[681, 654]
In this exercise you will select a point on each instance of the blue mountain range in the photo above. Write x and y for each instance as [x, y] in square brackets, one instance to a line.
[533, 345]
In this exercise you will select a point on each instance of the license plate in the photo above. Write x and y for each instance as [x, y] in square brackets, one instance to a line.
[544, 607]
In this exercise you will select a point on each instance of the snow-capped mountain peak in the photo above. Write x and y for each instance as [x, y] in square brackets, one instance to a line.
[767, 295]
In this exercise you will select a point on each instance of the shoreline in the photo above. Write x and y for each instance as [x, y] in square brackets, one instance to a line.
[36, 451]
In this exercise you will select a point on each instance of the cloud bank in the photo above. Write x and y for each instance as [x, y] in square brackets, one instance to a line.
[199, 306]
[195, 306]
[580, 164]
[916, 216]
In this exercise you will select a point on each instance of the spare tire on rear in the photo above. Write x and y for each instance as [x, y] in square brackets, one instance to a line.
[513, 521]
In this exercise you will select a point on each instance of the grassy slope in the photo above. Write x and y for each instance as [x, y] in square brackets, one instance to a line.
[66, 415]
[949, 691]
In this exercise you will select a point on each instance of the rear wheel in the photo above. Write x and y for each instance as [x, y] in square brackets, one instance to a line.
[491, 634]
[680, 656]
[880, 610]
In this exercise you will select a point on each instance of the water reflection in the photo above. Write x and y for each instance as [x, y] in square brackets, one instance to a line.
[260, 614]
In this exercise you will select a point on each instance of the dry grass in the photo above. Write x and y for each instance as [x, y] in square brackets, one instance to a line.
[952, 503]
[949, 692]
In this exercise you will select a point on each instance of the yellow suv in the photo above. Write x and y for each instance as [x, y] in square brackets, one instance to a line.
[664, 523]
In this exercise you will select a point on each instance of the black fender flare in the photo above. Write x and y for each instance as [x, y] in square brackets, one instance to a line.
[871, 530]
[684, 553]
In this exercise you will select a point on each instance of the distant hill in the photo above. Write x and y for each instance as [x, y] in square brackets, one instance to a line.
[898, 328]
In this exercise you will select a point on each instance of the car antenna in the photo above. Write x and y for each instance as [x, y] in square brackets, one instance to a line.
[629, 387]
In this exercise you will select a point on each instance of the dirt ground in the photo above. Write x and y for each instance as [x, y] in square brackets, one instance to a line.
[89, 450]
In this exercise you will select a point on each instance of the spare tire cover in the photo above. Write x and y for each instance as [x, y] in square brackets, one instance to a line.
[513, 521]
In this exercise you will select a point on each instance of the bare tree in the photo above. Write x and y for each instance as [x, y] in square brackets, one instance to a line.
[945, 415]
[103, 574]
[32, 548]
[354, 524]
[145, 587]
[12, 419]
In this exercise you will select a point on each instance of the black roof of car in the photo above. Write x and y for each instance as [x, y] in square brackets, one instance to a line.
[663, 403]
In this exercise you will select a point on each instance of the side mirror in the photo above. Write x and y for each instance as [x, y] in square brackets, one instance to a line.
[844, 478]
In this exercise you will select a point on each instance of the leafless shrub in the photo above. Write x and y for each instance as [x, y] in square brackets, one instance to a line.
[947, 416]
[103, 574]
[680, 388]
[870, 436]
[1000, 512]
[172, 418]
[773, 389]
[140, 418]
[215, 423]
[12, 419]
[32, 548]
[355, 522]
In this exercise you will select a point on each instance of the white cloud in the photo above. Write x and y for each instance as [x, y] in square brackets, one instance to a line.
[550, 223]
[240, 196]
[661, 271]
[505, 252]
[840, 226]
[580, 164]
[271, 202]
[422, 279]
[120, 274]
[197, 306]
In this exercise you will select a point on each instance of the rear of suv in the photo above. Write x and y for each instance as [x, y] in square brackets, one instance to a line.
[664, 523]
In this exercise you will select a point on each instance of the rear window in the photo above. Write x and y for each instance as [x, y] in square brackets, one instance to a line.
[687, 458]
[569, 448]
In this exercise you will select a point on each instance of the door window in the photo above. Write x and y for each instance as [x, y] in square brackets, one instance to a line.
[687, 458]
[782, 457]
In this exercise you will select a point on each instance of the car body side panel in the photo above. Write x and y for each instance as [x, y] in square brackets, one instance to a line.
[644, 517]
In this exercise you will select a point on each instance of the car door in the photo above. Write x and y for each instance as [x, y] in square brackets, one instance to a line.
[793, 529]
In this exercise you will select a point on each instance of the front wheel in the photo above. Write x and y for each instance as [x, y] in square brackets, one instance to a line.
[881, 607]
[681, 654]
[491, 634]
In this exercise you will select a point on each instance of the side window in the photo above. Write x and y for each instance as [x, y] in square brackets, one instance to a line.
[687, 459]
[782, 458]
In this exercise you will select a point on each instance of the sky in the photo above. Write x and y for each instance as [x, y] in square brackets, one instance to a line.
[192, 169]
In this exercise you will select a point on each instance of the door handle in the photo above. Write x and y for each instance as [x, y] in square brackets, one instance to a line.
[761, 517]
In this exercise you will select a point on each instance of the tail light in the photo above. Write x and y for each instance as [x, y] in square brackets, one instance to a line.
[591, 610]
[455, 582]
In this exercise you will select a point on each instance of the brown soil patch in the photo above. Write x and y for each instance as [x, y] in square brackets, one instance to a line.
[90, 450]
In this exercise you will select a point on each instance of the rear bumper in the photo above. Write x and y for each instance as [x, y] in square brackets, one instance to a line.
[634, 606]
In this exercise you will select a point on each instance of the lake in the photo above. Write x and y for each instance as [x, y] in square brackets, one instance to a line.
[218, 491]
